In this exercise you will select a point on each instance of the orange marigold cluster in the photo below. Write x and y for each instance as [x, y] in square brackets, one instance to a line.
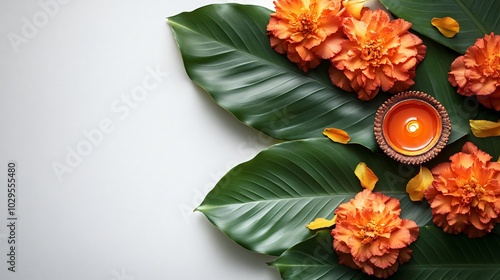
[380, 54]
[366, 55]
[477, 72]
[370, 234]
[465, 193]
[306, 30]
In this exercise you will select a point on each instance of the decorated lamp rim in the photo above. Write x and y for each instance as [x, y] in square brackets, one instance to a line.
[429, 151]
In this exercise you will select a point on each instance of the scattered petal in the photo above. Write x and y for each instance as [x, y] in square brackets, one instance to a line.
[354, 7]
[337, 135]
[418, 184]
[484, 128]
[448, 26]
[366, 176]
[320, 223]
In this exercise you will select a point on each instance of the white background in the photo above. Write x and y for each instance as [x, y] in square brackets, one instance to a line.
[118, 207]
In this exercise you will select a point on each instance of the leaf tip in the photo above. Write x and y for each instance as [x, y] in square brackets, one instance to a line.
[202, 208]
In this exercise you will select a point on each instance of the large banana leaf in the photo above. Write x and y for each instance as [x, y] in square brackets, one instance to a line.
[226, 51]
[266, 203]
[476, 18]
[436, 255]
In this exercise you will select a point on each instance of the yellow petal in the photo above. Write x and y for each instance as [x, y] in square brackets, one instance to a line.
[366, 176]
[337, 135]
[354, 7]
[483, 128]
[418, 184]
[320, 223]
[448, 26]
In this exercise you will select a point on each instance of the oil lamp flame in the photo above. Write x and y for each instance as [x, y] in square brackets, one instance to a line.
[412, 127]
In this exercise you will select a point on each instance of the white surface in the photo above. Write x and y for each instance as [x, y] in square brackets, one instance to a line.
[125, 210]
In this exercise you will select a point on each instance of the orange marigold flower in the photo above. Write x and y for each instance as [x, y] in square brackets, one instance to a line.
[464, 195]
[306, 30]
[380, 53]
[477, 72]
[370, 235]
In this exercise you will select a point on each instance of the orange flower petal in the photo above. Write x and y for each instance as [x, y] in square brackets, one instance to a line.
[337, 135]
[305, 28]
[386, 260]
[379, 54]
[366, 176]
[448, 26]
[464, 196]
[354, 7]
[474, 72]
[484, 128]
[418, 184]
[320, 223]
[370, 234]
[470, 148]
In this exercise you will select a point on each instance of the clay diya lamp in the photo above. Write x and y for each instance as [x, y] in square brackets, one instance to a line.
[412, 127]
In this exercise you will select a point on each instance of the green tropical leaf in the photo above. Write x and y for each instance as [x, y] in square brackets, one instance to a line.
[266, 203]
[476, 18]
[226, 52]
[436, 255]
